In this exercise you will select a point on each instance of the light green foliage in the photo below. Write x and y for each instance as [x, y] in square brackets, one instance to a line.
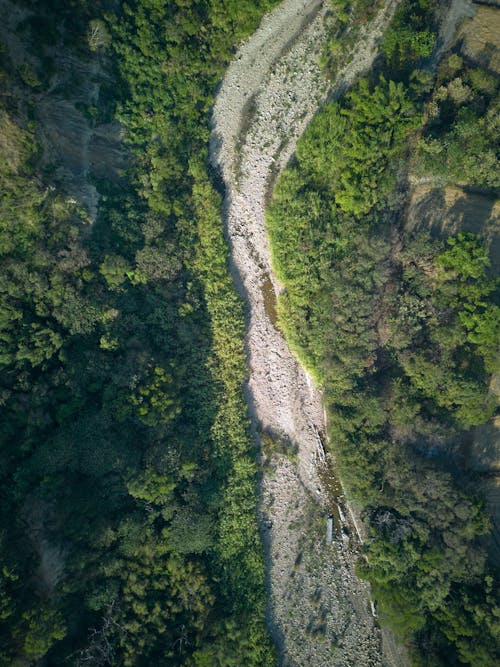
[44, 627]
[237, 643]
[401, 332]
[454, 63]
[191, 532]
[238, 549]
[156, 401]
[114, 270]
[347, 154]
[152, 487]
[155, 263]
[29, 76]
[458, 91]
[481, 81]
[98, 37]
[467, 286]
[401, 44]
[447, 307]
[349, 148]
[41, 262]
[378, 122]
[7, 604]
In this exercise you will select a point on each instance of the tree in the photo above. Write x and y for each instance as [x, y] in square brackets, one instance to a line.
[114, 269]
[98, 37]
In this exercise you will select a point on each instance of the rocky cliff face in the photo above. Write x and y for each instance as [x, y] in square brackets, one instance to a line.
[65, 89]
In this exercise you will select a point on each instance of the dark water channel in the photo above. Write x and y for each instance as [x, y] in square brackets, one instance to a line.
[270, 301]
[334, 491]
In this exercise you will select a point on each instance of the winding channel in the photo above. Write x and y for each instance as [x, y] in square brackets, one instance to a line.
[319, 612]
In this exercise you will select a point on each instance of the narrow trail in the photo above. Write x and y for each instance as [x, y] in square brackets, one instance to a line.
[318, 612]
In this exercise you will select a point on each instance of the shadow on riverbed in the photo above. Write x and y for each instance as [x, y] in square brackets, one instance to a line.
[279, 451]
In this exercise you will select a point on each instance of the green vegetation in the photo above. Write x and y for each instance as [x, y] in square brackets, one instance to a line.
[462, 139]
[344, 23]
[411, 36]
[128, 520]
[401, 331]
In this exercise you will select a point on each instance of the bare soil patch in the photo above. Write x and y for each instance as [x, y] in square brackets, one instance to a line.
[481, 38]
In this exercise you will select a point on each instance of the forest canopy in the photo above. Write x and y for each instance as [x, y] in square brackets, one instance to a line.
[128, 521]
[401, 328]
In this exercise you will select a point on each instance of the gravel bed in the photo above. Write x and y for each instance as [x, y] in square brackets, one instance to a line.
[319, 612]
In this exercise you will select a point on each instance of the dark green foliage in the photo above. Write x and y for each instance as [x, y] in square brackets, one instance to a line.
[127, 467]
[411, 36]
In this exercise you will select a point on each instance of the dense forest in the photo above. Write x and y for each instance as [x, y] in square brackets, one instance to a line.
[128, 529]
[128, 514]
[400, 328]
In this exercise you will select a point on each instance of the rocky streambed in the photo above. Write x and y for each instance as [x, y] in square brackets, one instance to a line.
[318, 611]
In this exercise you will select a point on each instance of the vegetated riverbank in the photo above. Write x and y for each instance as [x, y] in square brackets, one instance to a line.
[319, 611]
[400, 328]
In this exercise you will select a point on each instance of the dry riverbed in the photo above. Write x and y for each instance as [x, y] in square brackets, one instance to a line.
[319, 612]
